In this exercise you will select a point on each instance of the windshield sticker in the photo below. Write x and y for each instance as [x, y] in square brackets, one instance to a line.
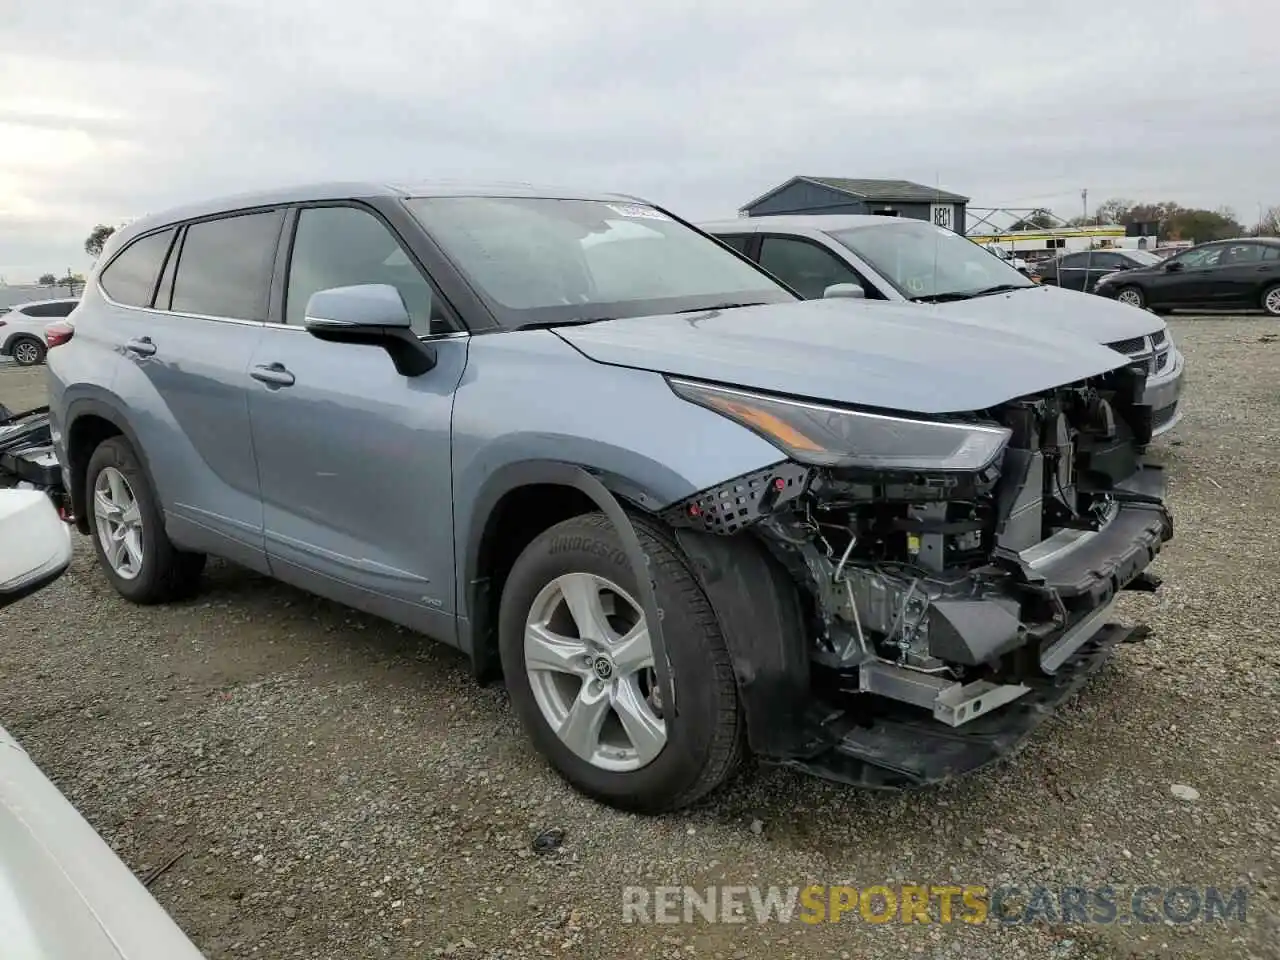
[637, 212]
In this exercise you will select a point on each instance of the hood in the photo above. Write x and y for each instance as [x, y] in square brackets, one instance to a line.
[873, 354]
[1085, 314]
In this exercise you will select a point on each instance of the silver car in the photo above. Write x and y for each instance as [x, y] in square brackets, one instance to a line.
[901, 260]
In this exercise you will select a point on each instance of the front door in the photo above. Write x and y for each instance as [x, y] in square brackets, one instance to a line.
[354, 459]
[1188, 279]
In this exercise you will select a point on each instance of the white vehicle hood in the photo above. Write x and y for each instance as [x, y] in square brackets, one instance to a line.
[64, 895]
[1099, 319]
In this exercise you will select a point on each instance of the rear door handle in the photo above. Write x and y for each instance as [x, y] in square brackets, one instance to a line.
[142, 346]
[273, 374]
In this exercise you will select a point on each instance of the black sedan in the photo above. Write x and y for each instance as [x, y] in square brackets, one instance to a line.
[1230, 274]
[1081, 271]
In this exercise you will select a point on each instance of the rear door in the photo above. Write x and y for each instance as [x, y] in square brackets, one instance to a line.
[1073, 271]
[183, 378]
[1244, 272]
[355, 459]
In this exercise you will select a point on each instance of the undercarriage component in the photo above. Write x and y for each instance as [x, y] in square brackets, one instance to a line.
[950, 701]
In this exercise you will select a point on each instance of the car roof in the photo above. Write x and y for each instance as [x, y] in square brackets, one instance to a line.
[37, 303]
[822, 222]
[358, 190]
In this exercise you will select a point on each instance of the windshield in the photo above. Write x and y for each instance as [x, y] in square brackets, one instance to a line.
[539, 260]
[923, 261]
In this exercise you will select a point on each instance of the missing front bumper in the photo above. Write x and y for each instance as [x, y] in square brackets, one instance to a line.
[907, 748]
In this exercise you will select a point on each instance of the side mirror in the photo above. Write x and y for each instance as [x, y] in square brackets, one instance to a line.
[37, 544]
[1173, 266]
[370, 314]
[852, 291]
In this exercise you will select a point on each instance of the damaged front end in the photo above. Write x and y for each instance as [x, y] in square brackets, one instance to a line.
[956, 577]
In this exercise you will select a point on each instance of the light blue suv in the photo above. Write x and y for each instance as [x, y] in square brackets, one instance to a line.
[681, 512]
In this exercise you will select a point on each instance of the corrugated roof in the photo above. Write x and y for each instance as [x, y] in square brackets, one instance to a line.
[873, 190]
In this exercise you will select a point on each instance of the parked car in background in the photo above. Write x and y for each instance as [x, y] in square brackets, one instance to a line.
[22, 329]
[1081, 271]
[897, 260]
[1225, 274]
[64, 894]
[684, 514]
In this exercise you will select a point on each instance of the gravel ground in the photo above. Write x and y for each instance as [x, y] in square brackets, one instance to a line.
[340, 789]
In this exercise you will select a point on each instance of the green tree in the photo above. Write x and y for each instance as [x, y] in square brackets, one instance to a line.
[48, 280]
[97, 239]
[73, 282]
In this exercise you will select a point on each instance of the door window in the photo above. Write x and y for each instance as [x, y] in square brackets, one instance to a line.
[1201, 257]
[1241, 253]
[806, 267]
[1072, 261]
[346, 246]
[1270, 252]
[225, 266]
[738, 241]
[130, 279]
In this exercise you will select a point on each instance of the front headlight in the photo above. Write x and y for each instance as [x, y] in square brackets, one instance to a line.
[1107, 278]
[824, 436]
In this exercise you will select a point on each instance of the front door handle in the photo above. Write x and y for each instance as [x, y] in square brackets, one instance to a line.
[274, 375]
[142, 346]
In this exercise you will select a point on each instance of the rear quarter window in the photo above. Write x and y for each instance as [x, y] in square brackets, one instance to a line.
[130, 279]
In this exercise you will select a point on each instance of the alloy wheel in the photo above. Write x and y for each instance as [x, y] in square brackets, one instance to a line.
[26, 353]
[590, 664]
[1131, 297]
[119, 523]
[1271, 302]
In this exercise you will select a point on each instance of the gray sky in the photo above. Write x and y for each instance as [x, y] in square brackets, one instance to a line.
[115, 108]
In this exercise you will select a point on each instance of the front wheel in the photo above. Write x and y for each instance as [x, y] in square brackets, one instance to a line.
[1271, 300]
[1132, 296]
[28, 352]
[581, 670]
[128, 530]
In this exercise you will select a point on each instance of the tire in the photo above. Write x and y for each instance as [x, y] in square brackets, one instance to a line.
[702, 744]
[157, 570]
[1271, 300]
[27, 351]
[1132, 296]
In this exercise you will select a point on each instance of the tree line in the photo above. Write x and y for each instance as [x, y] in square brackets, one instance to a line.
[1173, 221]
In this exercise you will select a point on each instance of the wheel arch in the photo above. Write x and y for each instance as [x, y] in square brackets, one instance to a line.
[496, 532]
[12, 340]
[89, 421]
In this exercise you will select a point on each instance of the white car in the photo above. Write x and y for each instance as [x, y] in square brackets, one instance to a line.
[64, 895]
[22, 328]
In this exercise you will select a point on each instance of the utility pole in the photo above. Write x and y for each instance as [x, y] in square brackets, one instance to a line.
[1084, 201]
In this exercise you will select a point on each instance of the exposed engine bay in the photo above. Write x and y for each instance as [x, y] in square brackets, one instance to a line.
[957, 593]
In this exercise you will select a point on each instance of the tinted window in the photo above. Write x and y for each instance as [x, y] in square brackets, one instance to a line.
[544, 260]
[738, 241]
[225, 266]
[345, 246]
[1072, 261]
[1270, 252]
[804, 266]
[130, 278]
[1200, 257]
[60, 309]
[1242, 253]
[1141, 258]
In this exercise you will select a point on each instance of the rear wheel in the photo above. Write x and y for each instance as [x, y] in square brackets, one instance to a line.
[1271, 300]
[1132, 296]
[581, 670]
[128, 530]
[28, 351]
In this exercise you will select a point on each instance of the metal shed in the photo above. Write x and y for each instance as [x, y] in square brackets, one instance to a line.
[901, 198]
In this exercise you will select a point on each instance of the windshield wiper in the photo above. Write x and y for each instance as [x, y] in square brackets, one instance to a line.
[571, 322]
[970, 294]
[720, 306]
